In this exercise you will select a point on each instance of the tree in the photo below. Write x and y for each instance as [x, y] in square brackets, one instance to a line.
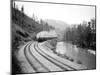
[33, 17]
[14, 4]
[22, 9]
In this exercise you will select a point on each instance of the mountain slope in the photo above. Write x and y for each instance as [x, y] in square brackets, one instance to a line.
[57, 24]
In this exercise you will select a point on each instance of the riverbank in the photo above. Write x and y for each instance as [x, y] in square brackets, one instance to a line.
[77, 55]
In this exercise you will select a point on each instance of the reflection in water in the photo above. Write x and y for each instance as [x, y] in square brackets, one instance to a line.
[60, 48]
[78, 54]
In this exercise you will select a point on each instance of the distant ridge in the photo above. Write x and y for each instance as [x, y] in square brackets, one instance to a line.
[57, 24]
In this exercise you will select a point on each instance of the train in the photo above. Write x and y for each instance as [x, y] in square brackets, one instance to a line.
[46, 35]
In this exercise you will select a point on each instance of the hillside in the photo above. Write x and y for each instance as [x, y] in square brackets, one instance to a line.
[25, 22]
[57, 24]
[23, 29]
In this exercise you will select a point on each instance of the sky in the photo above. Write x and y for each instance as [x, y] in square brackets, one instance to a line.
[70, 14]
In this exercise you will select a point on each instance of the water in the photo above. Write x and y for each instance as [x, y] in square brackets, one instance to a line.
[78, 54]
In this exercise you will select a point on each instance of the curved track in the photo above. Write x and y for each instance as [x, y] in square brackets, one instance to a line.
[42, 60]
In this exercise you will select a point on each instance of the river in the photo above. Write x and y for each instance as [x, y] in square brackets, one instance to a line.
[77, 54]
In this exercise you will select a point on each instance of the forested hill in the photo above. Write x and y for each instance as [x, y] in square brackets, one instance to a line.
[25, 22]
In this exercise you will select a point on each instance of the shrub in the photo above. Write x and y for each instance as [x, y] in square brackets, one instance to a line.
[79, 62]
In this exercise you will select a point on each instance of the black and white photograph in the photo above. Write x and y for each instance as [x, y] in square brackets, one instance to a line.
[52, 37]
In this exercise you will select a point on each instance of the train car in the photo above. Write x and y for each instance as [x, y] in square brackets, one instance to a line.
[46, 35]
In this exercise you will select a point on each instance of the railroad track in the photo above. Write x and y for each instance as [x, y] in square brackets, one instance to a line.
[40, 61]
[53, 60]
[62, 60]
[35, 64]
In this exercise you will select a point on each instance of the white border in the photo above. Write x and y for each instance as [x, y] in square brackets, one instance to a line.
[5, 37]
